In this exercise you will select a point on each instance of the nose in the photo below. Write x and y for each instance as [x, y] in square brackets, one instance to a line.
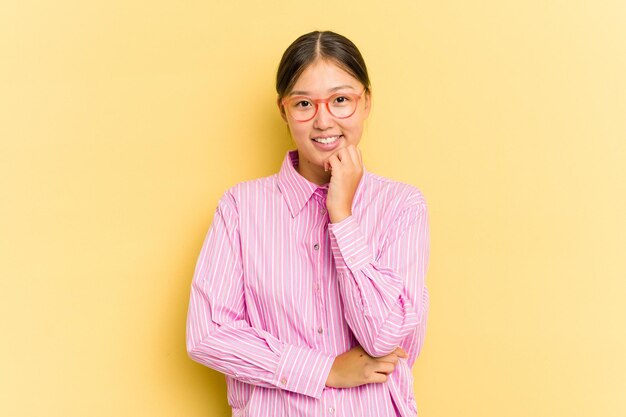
[323, 119]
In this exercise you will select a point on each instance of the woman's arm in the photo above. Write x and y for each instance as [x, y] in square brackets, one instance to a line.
[218, 332]
[385, 299]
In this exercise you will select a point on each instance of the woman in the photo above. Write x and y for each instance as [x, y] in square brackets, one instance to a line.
[309, 291]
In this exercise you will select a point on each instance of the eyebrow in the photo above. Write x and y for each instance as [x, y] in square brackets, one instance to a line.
[305, 93]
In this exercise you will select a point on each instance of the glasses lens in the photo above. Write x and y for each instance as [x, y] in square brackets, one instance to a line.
[342, 105]
[301, 108]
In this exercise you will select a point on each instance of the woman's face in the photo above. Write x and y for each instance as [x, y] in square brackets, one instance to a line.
[321, 80]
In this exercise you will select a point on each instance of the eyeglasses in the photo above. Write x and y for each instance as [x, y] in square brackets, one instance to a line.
[340, 105]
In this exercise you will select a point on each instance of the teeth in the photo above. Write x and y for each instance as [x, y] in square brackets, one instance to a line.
[327, 140]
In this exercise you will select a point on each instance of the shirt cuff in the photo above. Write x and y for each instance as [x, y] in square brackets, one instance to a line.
[303, 370]
[349, 247]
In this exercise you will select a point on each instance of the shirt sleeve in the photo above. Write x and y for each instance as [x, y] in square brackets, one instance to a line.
[385, 298]
[219, 335]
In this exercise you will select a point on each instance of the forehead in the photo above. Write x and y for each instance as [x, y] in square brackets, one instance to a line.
[323, 77]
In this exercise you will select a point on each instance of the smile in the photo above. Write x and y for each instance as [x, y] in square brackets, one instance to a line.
[327, 140]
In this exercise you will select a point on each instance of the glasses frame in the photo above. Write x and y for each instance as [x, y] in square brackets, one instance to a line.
[317, 102]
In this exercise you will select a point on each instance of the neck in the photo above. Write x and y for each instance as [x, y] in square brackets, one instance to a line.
[311, 172]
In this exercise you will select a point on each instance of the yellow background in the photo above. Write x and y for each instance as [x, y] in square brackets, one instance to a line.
[122, 122]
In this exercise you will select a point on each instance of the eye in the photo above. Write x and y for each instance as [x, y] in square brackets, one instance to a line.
[342, 99]
[302, 104]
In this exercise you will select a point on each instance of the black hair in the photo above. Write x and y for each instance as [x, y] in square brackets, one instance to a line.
[316, 45]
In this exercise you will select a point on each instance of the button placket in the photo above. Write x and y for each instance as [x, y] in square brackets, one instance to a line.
[317, 257]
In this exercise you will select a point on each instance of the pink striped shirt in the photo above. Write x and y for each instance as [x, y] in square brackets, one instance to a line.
[278, 292]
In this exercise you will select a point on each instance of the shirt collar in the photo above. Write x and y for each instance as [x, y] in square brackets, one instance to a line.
[297, 190]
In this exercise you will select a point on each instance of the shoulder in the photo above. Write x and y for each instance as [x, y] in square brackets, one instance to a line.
[249, 190]
[393, 193]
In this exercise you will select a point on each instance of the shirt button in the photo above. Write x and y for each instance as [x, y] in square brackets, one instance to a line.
[320, 330]
[331, 409]
[316, 246]
[283, 381]
[350, 260]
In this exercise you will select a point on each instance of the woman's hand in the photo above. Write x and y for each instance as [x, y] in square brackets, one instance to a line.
[346, 167]
[355, 367]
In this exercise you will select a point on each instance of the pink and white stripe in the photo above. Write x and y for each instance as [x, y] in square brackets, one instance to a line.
[278, 292]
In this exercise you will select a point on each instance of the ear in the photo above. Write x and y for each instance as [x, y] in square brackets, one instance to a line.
[368, 102]
[281, 109]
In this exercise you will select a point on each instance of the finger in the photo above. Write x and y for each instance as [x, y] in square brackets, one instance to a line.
[342, 154]
[354, 156]
[401, 352]
[391, 358]
[385, 367]
[377, 377]
[334, 162]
